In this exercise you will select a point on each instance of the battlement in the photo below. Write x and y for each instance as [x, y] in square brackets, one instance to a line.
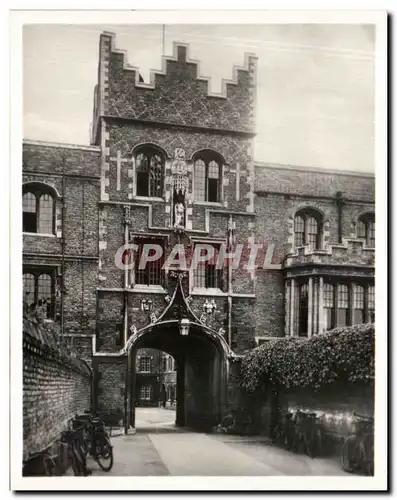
[352, 252]
[177, 94]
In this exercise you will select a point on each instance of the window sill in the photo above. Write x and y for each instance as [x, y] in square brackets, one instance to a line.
[46, 235]
[147, 198]
[208, 203]
[148, 289]
[208, 291]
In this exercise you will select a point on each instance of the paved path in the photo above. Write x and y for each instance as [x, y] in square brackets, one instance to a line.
[159, 448]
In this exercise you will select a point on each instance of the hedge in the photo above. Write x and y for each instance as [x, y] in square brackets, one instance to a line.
[342, 355]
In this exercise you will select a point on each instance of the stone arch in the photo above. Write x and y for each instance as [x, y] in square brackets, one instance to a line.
[202, 358]
[44, 187]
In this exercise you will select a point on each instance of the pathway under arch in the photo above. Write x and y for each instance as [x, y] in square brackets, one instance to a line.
[201, 365]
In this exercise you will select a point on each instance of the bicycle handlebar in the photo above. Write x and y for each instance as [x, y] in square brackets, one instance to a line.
[363, 417]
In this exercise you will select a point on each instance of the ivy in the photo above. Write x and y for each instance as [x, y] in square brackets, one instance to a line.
[342, 355]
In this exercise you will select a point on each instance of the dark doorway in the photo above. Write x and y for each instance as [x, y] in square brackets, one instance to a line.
[200, 375]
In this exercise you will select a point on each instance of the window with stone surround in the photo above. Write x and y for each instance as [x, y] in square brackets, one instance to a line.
[145, 364]
[38, 202]
[308, 228]
[329, 309]
[206, 275]
[207, 176]
[303, 310]
[358, 304]
[343, 305]
[39, 290]
[149, 168]
[366, 229]
[371, 304]
[152, 273]
[145, 393]
[347, 304]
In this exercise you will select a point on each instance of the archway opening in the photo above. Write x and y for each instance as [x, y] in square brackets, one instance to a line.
[200, 375]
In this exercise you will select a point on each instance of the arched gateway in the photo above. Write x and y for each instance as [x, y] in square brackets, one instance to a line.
[202, 360]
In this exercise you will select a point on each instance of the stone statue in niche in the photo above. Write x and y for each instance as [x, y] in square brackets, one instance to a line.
[179, 210]
[180, 184]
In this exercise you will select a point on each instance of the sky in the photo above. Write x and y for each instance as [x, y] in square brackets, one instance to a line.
[315, 84]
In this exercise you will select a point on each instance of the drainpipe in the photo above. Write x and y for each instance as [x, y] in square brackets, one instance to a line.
[229, 283]
[127, 390]
[339, 204]
[126, 241]
[63, 250]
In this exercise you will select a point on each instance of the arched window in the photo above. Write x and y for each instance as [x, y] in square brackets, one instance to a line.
[149, 166]
[39, 290]
[207, 176]
[38, 202]
[307, 228]
[366, 229]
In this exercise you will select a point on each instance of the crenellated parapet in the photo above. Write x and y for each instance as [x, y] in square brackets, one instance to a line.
[352, 252]
[176, 94]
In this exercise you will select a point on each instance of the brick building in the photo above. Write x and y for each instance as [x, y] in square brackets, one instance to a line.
[169, 164]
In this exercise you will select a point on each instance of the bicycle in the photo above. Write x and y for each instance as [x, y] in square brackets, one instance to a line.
[309, 436]
[41, 463]
[76, 448]
[283, 432]
[96, 441]
[357, 454]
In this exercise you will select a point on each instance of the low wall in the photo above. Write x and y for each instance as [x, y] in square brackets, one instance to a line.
[335, 406]
[56, 386]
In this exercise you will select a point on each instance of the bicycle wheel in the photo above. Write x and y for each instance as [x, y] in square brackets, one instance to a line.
[349, 452]
[319, 443]
[78, 461]
[49, 466]
[104, 454]
[308, 444]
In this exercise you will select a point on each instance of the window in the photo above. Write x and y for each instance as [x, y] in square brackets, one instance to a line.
[152, 273]
[371, 304]
[343, 305]
[358, 305]
[348, 304]
[206, 274]
[307, 229]
[329, 311]
[303, 309]
[366, 229]
[39, 291]
[207, 177]
[145, 393]
[145, 364]
[149, 166]
[164, 363]
[38, 209]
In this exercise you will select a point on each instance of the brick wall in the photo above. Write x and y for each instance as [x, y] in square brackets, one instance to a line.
[120, 91]
[56, 386]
